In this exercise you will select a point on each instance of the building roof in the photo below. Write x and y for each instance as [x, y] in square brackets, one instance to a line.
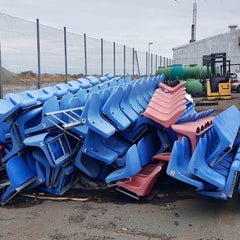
[208, 38]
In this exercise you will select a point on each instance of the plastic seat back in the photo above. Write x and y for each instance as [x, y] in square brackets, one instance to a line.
[125, 107]
[93, 80]
[113, 111]
[132, 167]
[91, 117]
[84, 83]
[20, 176]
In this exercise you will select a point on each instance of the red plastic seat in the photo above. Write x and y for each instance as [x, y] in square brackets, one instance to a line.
[159, 93]
[167, 107]
[165, 156]
[193, 130]
[169, 104]
[162, 118]
[143, 182]
[171, 89]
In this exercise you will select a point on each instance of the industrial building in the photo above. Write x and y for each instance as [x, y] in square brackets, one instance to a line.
[193, 52]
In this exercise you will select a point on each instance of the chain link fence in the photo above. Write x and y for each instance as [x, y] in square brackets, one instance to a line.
[79, 56]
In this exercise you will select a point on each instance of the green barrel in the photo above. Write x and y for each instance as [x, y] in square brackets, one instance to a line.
[167, 72]
[160, 70]
[194, 71]
[194, 87]
[204, 71]
[186, 72]
[177, 72]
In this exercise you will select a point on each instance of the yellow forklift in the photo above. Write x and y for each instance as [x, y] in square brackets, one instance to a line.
[218, 84]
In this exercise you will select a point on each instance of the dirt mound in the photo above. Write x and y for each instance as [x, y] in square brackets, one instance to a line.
[9, 77]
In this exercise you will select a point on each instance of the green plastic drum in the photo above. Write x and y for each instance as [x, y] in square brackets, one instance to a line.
[194, 87]
[160, 70]
[177, 72]
[167, 72]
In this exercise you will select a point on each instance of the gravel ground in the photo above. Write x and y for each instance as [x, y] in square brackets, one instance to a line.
[172, 211]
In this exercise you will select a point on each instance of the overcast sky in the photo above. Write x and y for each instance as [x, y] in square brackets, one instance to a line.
[166, 23]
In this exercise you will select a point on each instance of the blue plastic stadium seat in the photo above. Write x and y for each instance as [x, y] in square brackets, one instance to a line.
[9, 111]
[128, 79]
[64, 102]
[92, 119]
[231, 178]
[199, 165]
[76, 102]
[43, 168]
[20, 176]
[103, 85]
[93, 89]
[39, 95]
[35, 121]
[74, 86]
[54, 145]
[54, 91]
[112, 83]
[94, 147]
[125, 107]
[116, 145]
[132, 100]
[226, 135]
[103, 79]
[87, 164]
[110, 76]
[84, 83]
[112, 109]
[93, 80]
[179, 163]
[67, 178]
[139, 89]
[21, 98]
[81, 94]
[131, 168]
[121, 81]
[63, 87]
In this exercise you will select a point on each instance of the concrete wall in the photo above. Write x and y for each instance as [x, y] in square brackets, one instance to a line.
[11, 87]
[193, 52]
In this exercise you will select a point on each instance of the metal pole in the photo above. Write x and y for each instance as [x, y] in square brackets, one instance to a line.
[151, 64]
[149, 59]
[146, 63]
[164, 62]
[114, 58]
[160, 61]
[137, 62]
[149, 56]
[65, 54]
[133, 61]
[124, 61]
[156, 64]
[1, 87]
[85, 51]
[101, 56]
[38, 55]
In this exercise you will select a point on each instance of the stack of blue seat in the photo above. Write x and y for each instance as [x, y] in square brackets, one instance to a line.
[95, 127]
[214, 166]
[89, 126]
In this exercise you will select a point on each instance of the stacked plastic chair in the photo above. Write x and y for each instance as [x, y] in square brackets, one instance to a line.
[210, 163]
[125, 133]
[88, 126]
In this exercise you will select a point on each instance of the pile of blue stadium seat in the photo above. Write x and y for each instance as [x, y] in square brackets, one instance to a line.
[97, 127]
